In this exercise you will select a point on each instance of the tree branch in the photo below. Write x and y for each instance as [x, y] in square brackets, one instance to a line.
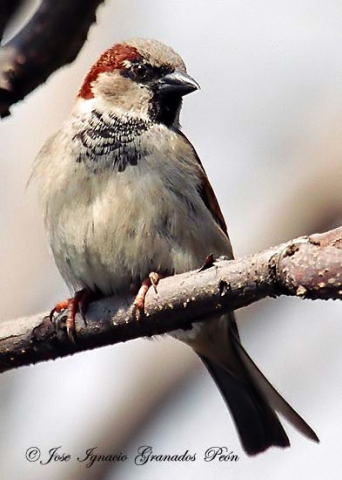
[52, 38]
[307, 267]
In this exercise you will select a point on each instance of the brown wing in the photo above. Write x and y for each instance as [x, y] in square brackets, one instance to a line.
[207, 193]
[209, 198]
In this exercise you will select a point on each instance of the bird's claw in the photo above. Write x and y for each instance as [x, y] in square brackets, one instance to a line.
[139, 302]
[154, 278]
[137, 312]
[208, 262]
[71, 331]
[80, 302]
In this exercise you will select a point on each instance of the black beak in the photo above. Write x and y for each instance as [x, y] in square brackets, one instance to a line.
[177, 83]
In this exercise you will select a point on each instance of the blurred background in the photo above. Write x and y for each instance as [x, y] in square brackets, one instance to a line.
[267, 125]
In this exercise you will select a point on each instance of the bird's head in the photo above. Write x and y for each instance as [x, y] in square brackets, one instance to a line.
[139, 78]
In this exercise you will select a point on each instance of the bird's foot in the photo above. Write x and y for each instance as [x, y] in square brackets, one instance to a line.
[208, 262]
[139, 301]
[79, 301]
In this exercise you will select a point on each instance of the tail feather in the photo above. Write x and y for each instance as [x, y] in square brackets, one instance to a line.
[273, 396]
[257, 424]
[250, 397]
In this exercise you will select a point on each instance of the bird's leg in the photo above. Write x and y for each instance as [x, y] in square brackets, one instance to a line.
[139, 301]
[79, 301]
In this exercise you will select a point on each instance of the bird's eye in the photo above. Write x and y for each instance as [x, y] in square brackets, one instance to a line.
[139, 70]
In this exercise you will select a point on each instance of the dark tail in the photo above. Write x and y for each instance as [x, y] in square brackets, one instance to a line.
[257, 424]
[252, 401]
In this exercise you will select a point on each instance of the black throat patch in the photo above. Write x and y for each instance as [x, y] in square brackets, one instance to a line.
[165, 109]
[109, 142]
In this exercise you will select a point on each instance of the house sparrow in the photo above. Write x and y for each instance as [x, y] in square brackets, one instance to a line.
[125, 195]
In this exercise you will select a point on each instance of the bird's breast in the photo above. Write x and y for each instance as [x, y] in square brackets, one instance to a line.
[109, 229]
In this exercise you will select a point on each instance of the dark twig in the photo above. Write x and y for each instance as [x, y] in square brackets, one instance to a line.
[52, 38]
[308, 267]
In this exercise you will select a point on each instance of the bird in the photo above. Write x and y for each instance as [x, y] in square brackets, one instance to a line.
[126, 202]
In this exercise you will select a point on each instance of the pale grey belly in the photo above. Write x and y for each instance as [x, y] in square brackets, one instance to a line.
[109, 241]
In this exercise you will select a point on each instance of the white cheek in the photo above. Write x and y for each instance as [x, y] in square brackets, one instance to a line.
[84, 106]
[116, 93]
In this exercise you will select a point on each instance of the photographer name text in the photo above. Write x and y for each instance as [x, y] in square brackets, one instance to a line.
[144, 455]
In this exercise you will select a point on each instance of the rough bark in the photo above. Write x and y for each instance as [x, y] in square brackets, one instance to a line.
[52, 38]
[307, 267]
